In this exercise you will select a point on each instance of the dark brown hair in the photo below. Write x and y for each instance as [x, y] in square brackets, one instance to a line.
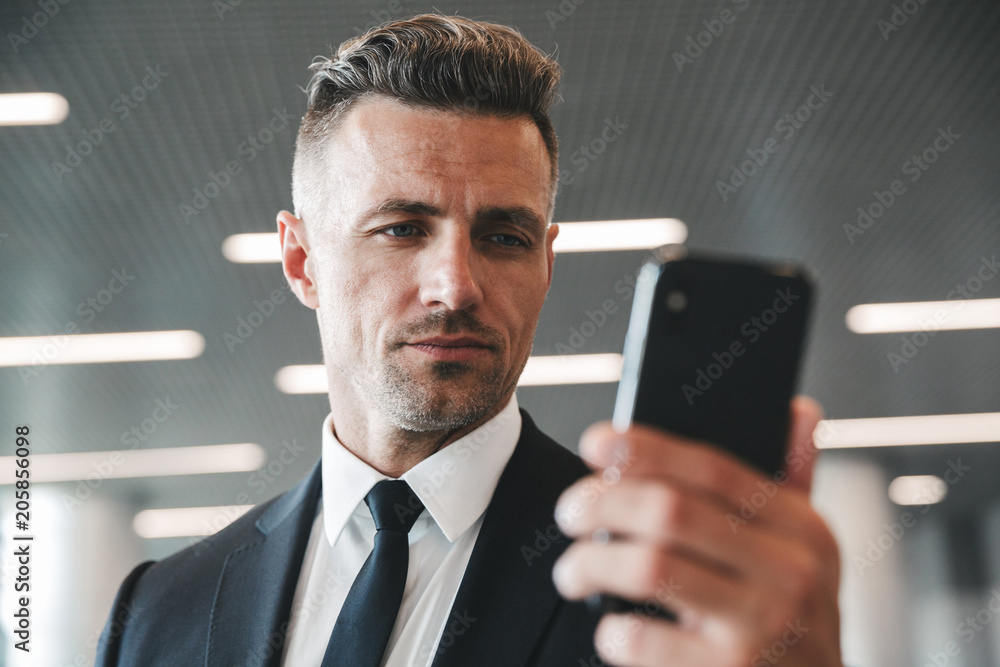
[441, 62]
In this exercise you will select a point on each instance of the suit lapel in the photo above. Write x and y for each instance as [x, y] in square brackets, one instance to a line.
[254, 596]
[507, 595]
[502, 606]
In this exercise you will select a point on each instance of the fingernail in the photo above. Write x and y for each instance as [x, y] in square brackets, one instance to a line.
[604, 451]
[564, 518]
[561, 575]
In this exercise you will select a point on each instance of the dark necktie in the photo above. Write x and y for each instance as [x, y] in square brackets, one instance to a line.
[362, 630]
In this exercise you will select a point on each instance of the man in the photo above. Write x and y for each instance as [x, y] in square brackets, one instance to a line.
[424, 185]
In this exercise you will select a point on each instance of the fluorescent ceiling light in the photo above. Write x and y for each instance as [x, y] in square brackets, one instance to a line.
[871, 318]
[553, 370]
[919, 430]
[252, 248]
[573, 237]
[33, 109]
[571, 369]
[186, 521]
[917, 490]
[101, 348]
[122, 463]
[303, 379]
[606, 235]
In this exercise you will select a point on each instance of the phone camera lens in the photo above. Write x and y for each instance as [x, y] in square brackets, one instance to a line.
[676, 301]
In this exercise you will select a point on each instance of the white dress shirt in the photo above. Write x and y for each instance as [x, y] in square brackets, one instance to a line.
[455, 484]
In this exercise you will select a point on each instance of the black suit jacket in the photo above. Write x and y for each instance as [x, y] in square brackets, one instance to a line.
[227, 600]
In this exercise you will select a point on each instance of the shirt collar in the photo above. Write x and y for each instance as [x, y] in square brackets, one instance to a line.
[455, 484]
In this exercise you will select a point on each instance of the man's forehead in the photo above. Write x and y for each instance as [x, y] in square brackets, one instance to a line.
[383, 150]
[380, 128]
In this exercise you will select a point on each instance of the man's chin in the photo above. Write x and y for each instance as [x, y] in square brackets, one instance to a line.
[450, 370]
[427, 420]
[446, 410]
[440, 395]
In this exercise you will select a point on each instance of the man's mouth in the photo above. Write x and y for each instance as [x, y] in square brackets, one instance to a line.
[460, 347]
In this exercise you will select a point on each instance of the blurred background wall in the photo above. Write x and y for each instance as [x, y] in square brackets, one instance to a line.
[859, 138]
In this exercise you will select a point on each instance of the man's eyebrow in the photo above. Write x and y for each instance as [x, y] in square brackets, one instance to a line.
[402, 206]
[517, 215]
[520, 216]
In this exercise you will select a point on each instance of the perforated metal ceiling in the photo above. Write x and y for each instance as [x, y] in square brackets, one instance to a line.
[693, 92]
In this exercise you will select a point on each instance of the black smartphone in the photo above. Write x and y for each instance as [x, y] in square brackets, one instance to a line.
[713, 350]
[712, 353]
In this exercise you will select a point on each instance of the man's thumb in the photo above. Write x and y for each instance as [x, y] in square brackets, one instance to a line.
[806, 414]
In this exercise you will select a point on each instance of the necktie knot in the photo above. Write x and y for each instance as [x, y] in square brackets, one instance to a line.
[394, 505]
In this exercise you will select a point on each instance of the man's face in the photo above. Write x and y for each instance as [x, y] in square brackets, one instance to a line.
[431, 261]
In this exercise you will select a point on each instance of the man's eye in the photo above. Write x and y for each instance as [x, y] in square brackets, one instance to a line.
[401, 230]
[508, 240]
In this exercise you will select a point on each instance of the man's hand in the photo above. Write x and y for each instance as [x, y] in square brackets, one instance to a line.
[749, 568]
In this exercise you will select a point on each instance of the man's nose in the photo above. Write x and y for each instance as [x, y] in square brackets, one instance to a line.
[450, 275]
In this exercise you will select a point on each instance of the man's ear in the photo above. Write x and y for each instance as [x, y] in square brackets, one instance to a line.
[550, 255]
[294, 256]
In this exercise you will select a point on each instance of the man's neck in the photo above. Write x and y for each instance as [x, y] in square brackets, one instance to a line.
[392, 450]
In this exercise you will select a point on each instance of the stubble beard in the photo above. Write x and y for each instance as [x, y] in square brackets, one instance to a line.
[440, 402]
[428, 396]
